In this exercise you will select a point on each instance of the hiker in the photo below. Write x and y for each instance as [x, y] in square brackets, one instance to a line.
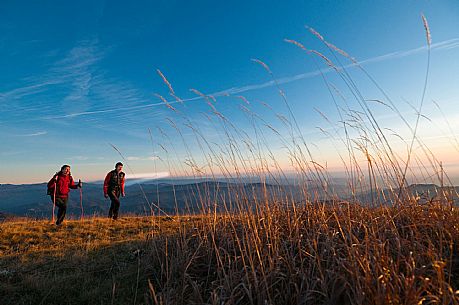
[113, 188]
[59, 187]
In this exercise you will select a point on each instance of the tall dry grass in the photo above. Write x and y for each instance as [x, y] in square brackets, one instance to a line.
[329, 245]
[315, 254]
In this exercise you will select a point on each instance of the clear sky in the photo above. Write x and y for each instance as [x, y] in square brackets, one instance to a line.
[78, 75]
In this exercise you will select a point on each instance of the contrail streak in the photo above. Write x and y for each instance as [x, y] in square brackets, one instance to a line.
[443, 45]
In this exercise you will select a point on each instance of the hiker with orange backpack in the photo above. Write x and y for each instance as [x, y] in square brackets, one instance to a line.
[113, 188]
[58, 188]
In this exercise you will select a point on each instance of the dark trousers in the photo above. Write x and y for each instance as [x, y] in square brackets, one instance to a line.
[61, 203]
[115, 205]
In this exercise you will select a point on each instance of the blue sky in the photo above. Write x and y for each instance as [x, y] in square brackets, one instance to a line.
[79, 76]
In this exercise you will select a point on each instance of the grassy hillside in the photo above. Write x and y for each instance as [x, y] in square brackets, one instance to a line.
[90, 262]
[335, 254]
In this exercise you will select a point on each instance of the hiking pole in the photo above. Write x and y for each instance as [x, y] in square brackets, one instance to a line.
[81, 200]
[54, 198]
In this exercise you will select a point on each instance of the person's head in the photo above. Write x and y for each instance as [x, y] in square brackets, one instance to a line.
[65, 169]
[119, 166]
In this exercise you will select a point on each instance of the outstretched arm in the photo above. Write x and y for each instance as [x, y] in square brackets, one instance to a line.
[72, 184]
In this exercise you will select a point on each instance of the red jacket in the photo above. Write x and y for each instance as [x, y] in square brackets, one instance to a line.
[114, 180]
[64, 184]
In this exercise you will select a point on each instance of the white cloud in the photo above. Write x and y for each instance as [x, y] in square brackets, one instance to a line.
[77, 72]
[141, 177]
[134, 95]
[75, 69]
[35, 134]
[133, 158]
[156, 175]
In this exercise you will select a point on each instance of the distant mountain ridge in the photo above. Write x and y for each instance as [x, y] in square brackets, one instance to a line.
[184, 196]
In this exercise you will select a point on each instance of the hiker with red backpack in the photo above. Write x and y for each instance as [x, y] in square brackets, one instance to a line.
[113, 188]
[58, 188]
